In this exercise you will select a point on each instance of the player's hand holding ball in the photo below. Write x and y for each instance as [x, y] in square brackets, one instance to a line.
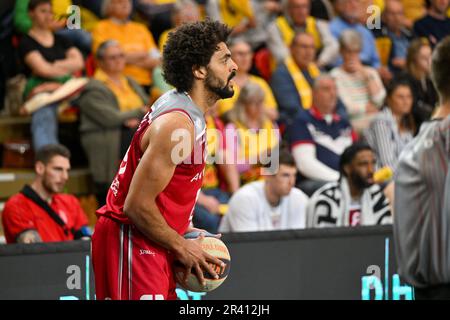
[207, 262]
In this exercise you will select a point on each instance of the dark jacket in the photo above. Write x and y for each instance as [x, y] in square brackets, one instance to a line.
[100, 125]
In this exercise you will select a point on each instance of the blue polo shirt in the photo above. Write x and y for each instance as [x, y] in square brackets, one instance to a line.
[330, 139]
[369, 54]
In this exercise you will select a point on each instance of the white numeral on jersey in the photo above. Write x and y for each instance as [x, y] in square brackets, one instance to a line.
[150, 297]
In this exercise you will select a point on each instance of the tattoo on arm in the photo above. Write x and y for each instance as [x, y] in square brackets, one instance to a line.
[29, 236]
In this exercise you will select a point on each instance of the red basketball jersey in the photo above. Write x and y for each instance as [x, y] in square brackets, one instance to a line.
[176, 202]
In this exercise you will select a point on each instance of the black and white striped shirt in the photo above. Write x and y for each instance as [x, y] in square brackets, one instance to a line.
[385, 138]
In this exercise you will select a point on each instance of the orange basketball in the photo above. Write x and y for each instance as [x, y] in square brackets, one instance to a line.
[216, 248]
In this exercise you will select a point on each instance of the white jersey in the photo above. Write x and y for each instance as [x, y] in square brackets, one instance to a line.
[249, 210]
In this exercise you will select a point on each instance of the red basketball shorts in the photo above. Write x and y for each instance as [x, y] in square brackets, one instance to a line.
[127, 266]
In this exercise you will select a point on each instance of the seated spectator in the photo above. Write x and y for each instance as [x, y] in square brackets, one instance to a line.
[393, 38]
[322, 9]
[50, 60]
[354, 200]
[359, 87]
[250, 135]
[219, 180]
[393, 127]
[265, 11]
[184, 11]
[242, 55]
[318, 137]
[9, 67]
[91, 11]
[237, 14]
[155, 13]
[297, 19]
[90, 14]
[418, 71]
[111, 106]
[40, 212]
[141, 52]
[414, 10]
[436, 24]
[349, 15]
[291, 81]
[79, 37]
[272, 204]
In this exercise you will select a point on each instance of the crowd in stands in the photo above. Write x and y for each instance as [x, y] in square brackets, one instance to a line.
[335, 89]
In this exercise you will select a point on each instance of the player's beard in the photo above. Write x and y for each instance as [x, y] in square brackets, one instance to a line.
[216, 86]
[360, 182]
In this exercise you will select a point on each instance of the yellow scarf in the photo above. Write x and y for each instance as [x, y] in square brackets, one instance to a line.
[288, 33]
[302, 85]
[384, 46]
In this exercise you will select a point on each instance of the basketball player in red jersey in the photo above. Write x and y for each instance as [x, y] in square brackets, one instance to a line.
[149, 206]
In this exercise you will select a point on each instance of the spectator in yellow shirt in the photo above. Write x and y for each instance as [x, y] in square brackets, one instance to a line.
[237, 14]
[141, 53]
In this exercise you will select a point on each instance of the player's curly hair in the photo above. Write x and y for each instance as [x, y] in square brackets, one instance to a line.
[191, 45]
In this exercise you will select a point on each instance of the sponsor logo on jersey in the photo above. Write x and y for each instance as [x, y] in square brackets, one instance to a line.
[198, 176]
[146, 252]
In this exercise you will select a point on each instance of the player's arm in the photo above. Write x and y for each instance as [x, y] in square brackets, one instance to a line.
[152, 175]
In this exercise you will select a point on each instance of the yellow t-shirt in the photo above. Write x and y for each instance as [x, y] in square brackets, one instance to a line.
[133, 37]
[127, 98]
[60, 7]
[228, 104]
[234, 11]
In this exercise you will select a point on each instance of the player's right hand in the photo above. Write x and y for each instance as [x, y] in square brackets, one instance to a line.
[195, 260]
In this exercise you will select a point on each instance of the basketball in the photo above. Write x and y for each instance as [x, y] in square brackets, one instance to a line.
[216, 248]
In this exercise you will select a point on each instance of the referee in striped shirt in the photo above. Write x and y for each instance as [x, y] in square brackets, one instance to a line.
[422, 195]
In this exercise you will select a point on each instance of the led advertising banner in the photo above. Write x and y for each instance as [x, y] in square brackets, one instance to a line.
[340, 263]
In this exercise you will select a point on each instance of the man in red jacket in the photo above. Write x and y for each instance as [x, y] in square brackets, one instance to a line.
[40, 212]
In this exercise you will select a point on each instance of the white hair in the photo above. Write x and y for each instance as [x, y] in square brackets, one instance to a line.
[350, 39]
